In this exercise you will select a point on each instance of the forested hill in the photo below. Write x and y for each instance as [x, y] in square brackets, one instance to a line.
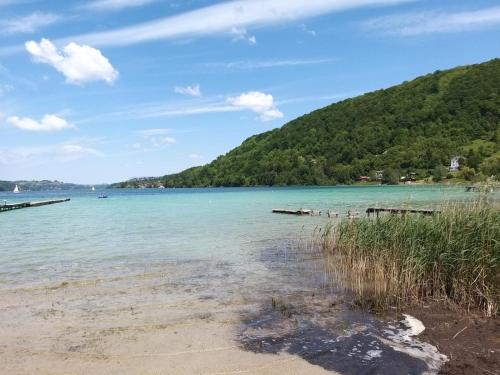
[417, 126]
[38, 185]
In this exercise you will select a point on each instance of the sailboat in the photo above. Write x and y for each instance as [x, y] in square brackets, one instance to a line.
[93, 188]
[16, 190]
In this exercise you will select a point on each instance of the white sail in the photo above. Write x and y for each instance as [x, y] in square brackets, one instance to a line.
[93, 188]
[16, 189]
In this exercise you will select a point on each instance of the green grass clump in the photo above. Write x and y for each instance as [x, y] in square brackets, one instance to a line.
[397, 260]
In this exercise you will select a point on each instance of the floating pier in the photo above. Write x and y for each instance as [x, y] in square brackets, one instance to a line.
[17, 206]
[355, 214]
[300, 212]
[423, 211]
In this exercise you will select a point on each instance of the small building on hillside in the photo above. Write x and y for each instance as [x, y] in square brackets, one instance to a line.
[379, 175]
[454, 164]
[363, 179]
[411, 176]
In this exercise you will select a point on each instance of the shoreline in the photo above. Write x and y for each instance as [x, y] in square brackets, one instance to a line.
[442, 269]
[459, 183]
[470, 341]
[203, 318]
[260, 305]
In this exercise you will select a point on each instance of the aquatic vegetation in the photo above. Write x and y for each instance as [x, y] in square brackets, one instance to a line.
[397, 260]
[286, 309]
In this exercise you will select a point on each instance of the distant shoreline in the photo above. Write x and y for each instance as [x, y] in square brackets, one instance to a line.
[354, 184]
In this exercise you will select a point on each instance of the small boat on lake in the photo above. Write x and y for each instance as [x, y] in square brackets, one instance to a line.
[16, 190]
[93, 188]
[102, 196]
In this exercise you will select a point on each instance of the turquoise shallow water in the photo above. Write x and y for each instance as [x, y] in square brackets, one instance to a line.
[136, 229]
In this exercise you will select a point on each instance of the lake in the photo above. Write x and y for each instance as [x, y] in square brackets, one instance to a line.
[177, 279]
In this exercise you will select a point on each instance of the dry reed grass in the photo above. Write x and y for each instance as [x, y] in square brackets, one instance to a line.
[398, 260]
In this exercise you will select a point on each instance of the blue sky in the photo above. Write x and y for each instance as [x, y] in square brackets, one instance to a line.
[104, 90]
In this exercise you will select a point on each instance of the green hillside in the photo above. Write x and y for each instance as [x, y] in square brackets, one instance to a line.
[417, 126]
[38, 185]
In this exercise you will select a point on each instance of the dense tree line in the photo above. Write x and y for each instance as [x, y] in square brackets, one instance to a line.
[38, 185]
[417, 126]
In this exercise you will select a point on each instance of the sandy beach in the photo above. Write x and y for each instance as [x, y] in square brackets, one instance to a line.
[107, 292]
[146, 324]
[200, 318]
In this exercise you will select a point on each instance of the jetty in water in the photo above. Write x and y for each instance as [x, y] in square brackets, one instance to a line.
[17, 206]
[354, 214]
[300, 212]
[423, 211]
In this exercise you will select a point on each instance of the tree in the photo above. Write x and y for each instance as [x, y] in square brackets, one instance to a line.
[390, 176]
[491, 166]
[414, 126]
[473, 159]
[439, 173]
[467, 173]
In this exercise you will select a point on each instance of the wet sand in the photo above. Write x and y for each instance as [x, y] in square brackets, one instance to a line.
[203, 317]
[146, 324]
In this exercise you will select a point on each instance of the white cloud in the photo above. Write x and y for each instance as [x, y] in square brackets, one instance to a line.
[168, 111]
[158, 137]
[411, 24]
[162, 141]
[189, 90]
[258, 102]
[77, 151]
[27, 24]
[114, 5]
[240, 33]
[78, 63]
[197, 106]
[305, 29]
[268, 63]
[223, 18]
[41, 155]
[49, 123]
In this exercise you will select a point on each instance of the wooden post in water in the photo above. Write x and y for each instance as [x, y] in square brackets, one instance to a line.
[403, 211]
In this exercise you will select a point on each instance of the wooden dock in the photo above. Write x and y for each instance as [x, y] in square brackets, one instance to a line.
[300, 212]
[423, 211]
[484, 189]
[17, 206]
[354, 214]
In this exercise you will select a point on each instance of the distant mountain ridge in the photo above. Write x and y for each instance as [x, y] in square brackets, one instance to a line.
[38, 185]
[415, 127]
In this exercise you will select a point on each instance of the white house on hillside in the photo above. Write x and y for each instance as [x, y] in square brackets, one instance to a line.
[454, 165]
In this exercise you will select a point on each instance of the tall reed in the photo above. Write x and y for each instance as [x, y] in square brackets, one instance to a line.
[401, 259]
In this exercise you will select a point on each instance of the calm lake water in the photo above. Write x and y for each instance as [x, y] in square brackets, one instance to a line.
[183, 281]
[136, 229]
